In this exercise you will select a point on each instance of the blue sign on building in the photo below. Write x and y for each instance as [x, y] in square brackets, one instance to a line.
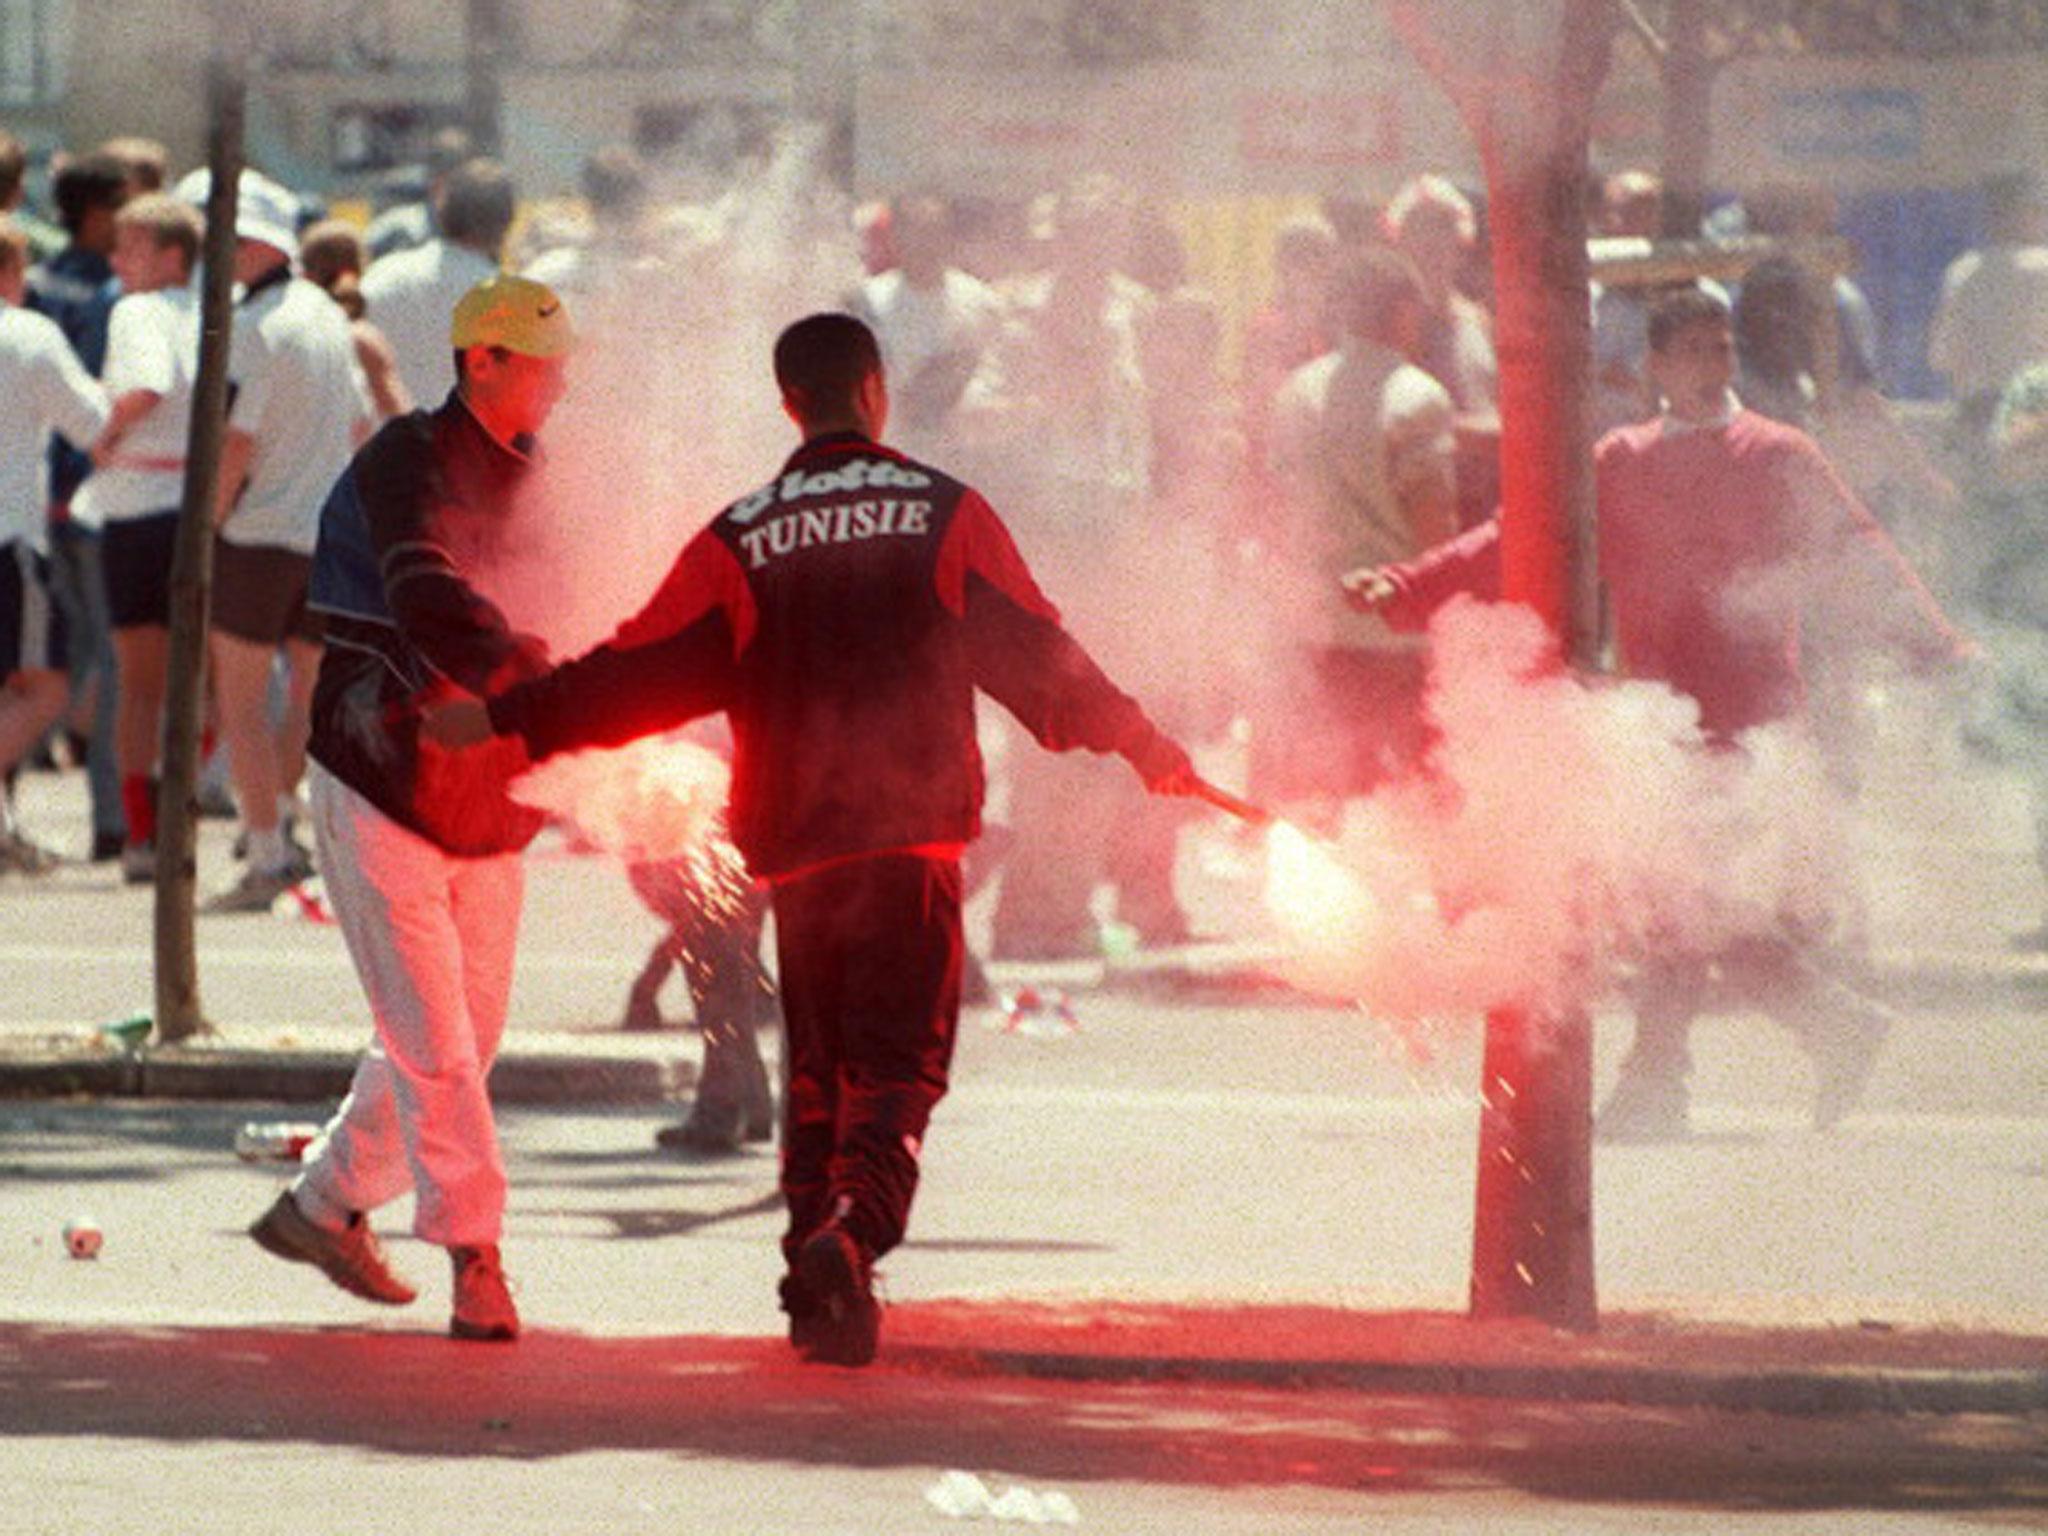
[1854, 123]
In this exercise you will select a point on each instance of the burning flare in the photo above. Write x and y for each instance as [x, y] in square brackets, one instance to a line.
[1321, 906]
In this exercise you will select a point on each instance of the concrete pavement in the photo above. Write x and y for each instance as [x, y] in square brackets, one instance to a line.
[1157, 1302]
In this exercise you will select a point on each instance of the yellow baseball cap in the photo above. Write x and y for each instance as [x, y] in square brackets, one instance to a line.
[515, 313]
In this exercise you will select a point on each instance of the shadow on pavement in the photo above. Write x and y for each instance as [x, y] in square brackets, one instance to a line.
[557, 1394]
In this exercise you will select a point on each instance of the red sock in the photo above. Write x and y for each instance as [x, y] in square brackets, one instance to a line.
[138, 801]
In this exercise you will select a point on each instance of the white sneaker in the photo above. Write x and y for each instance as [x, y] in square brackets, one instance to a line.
[138, 863]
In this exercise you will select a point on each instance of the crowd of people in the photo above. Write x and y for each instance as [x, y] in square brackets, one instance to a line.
[1244, 522]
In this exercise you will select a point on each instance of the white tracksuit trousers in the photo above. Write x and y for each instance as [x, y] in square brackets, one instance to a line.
[432, 937]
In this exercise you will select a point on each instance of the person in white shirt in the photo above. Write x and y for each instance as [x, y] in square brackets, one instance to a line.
[290, 431]
[331, 256]
[1993, 316]
[47, 389]
[410, 294]
[934, 323]
[1364, 458]
[138, 482]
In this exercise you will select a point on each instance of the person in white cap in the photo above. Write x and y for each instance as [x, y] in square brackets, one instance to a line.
[421, 848]
[290, 431]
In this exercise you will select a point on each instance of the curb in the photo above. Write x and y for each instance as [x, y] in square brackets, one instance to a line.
[312, 1076]
[1801, 1392]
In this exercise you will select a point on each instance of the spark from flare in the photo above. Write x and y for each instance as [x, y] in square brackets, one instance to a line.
[649, 801]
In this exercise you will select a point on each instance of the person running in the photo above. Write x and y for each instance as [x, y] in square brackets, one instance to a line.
[843, 616]
[421, 851]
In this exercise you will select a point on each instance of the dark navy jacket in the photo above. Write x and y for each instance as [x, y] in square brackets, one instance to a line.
[421, 508]
[77, 289]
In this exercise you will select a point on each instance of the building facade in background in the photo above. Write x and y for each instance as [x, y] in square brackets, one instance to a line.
[1217, 106]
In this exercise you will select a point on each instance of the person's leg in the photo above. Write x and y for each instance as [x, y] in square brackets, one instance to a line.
[1143, 854]
[1061, 812]
[1650, 1100]
[141, 667]
[808, 948]
[241, 672]
[721, 959]
[31, 701]
[486, 899]
[1823, 994]
[302, 671]
[395, 899]
[488, 894]
[357, 1163]
[32, 685]
[102, 758]
[898, 1007]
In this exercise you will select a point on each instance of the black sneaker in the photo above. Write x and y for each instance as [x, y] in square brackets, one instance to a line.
[835, 1273]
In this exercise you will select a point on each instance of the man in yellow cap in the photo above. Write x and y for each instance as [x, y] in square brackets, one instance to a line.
[421, 848]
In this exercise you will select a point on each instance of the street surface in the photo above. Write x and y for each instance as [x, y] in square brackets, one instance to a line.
[1195, 1146]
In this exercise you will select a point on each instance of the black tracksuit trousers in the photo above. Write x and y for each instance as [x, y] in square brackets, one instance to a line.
[870, 956]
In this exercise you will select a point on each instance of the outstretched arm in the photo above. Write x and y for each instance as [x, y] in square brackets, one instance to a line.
[1406, 594]
[1024, 659]
[668, 664]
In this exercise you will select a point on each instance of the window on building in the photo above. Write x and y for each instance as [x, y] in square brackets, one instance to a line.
[33, 39]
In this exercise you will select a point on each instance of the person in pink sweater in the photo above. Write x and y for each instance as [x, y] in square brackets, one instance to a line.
[1734, 559]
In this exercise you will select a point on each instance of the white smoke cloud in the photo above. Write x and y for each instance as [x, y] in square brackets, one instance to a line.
[672, 410]
[1566, 828]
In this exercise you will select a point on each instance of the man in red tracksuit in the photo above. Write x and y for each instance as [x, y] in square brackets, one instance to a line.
[843, 616]
[1732, 557]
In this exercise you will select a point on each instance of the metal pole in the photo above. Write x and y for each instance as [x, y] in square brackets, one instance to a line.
[178, 1012]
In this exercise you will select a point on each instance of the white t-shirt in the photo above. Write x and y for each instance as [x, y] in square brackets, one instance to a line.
[46, 390]
[152, 344]
[1993, 317]
[1363, 451]
[960, 313]
[410, 296]
[293, 381]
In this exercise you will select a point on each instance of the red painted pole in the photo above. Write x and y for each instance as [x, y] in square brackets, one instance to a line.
[1529, 104]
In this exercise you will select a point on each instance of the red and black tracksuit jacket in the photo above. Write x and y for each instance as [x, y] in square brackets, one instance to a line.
[843, 616]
